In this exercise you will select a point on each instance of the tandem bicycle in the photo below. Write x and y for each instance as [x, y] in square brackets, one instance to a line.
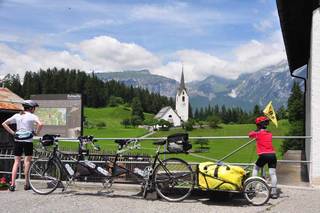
[172, 178]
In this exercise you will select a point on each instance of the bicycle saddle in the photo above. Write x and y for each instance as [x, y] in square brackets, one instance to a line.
[161, 142]
[122, 142]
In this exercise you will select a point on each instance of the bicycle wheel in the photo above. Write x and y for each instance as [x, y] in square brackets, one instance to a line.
[173, 180]
[44, 176]
[256, 191]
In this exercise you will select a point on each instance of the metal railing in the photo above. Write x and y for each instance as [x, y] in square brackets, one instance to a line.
[11, 157]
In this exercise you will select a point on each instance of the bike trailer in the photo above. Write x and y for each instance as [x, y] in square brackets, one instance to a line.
[220, 177]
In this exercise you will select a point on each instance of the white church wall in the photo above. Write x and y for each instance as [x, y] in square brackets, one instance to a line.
[182, 105]
[172, 117]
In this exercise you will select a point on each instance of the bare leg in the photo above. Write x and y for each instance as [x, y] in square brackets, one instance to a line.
[27, 163]
[15, 168]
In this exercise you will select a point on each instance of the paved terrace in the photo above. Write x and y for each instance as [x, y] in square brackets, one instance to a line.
[85, 198]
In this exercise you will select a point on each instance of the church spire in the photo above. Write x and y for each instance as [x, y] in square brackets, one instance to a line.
[182, 84]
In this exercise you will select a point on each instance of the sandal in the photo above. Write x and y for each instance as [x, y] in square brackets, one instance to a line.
[12, 188]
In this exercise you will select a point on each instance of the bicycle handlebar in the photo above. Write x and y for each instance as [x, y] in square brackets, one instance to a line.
[88, 139]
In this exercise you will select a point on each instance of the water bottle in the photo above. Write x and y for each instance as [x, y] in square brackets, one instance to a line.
[90, 164]
[103, 171]
[69, 169]
[139, 172]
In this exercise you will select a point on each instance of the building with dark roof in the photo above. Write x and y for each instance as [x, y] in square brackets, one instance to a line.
[10, 104]
[300, 25]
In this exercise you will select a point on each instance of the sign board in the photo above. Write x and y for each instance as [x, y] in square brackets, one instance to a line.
[60, 113]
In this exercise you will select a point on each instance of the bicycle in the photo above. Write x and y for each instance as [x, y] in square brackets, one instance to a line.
[45, 174]
[172, 178]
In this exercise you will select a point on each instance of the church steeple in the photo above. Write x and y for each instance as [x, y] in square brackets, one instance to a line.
[182, 84]
[182, 100]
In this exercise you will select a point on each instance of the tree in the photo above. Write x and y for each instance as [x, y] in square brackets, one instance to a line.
[150, 122]
[200, 123]
[165, 125]
[136, 120]
[126, 122]
[282, 113]
[115, 101]
[137, 109]
[296, 119]
[256, 111]
[213, 122]
[188, 126]
[203, 144]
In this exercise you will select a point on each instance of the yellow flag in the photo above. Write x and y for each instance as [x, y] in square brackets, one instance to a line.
[270, 113]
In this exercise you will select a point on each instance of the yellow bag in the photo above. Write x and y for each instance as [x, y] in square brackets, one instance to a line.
[222, 177]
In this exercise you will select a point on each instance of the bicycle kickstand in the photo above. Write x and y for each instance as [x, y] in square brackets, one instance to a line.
[68, 183]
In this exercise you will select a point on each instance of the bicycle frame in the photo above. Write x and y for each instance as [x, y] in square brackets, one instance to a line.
[156, 161]
[78, 161]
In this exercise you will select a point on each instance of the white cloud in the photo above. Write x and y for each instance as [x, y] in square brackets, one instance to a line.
[263, 25]
[100, 54]
[105, 53]
[92, 24]
[110, 54]
[249, 57]
[8, 37]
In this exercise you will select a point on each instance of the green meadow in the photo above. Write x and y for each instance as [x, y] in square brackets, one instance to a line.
[218, 148]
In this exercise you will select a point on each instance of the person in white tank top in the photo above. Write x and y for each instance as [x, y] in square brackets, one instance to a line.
[28, 125]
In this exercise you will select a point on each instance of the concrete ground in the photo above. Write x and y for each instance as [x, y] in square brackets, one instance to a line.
[85, 198]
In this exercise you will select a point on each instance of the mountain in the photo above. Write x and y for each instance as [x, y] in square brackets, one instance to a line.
[270, 83]
[143, 78]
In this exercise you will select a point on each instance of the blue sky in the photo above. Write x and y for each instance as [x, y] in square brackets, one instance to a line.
[209, 37]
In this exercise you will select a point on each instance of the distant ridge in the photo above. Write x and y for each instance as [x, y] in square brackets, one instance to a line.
[270, 83]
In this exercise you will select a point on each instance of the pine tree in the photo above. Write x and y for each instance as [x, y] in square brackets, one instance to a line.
[137, 108]
[296, 115]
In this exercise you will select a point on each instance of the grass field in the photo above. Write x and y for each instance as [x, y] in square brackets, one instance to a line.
[218, 148]
[221, 147]
[112, 117]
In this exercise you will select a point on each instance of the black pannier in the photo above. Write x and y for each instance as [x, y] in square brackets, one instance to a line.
[47, 140]
[178, 143]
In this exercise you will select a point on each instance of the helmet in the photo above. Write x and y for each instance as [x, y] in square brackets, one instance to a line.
[261, 119]
[29, 104]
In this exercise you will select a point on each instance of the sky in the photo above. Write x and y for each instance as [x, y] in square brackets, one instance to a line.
[207, 37]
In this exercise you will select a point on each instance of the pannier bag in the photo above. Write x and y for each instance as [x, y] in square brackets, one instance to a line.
[47, 140]
[220, 177]
[178, 143]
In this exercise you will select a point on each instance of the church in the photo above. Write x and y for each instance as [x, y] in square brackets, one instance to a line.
[181, 113]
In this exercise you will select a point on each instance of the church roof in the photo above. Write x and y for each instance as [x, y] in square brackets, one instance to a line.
[162, 112]
[182, 85]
